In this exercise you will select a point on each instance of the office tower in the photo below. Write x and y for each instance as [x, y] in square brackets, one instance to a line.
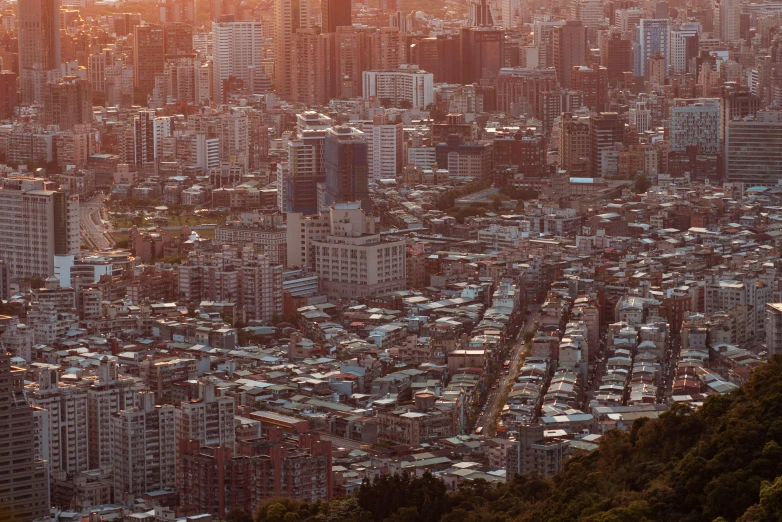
[177, 11]
[683, 47]
[464, 161]
[39, 224]
[335, 13]
[753, 149]
[26, 492]
[209, 419]
[525, 150]
[238, 53]
[616, 55]
[483, 53]
[148, 132]
[569, 49]
[639, 116]
[67, 103]
[347, 169]
[149, 55]
[651, 37]
[124, 23]
[8, 96]
[511, 13]
[592, 81]
[386, 49]
[588, 12]
[144, 457]
[306, 164]
[67, 407]
[347, 252]
[96, 69]
[311, 73]
[407, 86]
[519, 89]
[351, 60]
[436, 54]
[178, 40]
[606, 129]
[289, 16]
[574, 145]
[39, 46]
[730, 20]
[695, 123]
[384, 140]
[737, 102]
[480, 14]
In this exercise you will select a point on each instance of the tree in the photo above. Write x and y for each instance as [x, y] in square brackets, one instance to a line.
[642, 184]
[238, 515]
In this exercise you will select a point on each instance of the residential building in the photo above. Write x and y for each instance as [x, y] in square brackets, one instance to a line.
[209, 419]
[569, 50]
[149, 56]
[238, 54]
[651, 37]
[695, 123]
[407, 86]
[39, 46]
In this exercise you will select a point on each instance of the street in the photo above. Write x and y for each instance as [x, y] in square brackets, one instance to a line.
[492, 406]
[96, 235]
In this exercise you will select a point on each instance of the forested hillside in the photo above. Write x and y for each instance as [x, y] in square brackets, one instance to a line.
[723, 461]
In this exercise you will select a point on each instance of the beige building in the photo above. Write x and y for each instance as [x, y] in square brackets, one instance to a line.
[208, 419]
[38, 223]
[342, 247]
[144, 449]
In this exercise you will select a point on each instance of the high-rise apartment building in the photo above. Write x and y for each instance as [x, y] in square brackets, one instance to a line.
[67, 102]
[350, 62]
[109, 393]
[753, 149]
[148, 130]
[384, 140]
[24, 489]
[695, 123]
[346, 251]
[39, 222]
[149, 55]
[260, 287]
[683, 47]
[347, 167]
[209, 419]
[569, 50]
[306, 164]
[335, 13]
[39, 46]
[311, 66]
[520, 89]
[289, 16]
[238, 53]
[178, 40]
[67, 407]
[8, 96]
[144, 457]
[574, 145]
[651, 38]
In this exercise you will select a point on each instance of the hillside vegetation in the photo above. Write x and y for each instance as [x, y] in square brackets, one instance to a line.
[722, 462]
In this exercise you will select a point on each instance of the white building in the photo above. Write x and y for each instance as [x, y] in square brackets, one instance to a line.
[408, 84]
[423, 156]
[342, 246]
[384, 151]
[237, 52]
[677, 60]
[208, 419]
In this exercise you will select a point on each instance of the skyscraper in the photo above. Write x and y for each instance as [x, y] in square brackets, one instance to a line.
[335, 13]
[606, 129]
[569, 50]
[289, 16]
[38, 223]
[25, 495]
[238, 53]
[651, 37]
[695, 122]
[39, 46]
[8, 98]
[149, 55]
[347, 169]
[384, 140]
[616, 55]
[311, 74]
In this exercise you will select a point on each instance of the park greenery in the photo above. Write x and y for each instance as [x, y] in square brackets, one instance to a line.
[719, 463]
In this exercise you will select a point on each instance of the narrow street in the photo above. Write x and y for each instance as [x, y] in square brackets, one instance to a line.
[95, 234]
[493, 406]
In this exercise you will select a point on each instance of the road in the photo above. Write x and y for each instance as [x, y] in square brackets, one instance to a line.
[493, 407]
[95, 234]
